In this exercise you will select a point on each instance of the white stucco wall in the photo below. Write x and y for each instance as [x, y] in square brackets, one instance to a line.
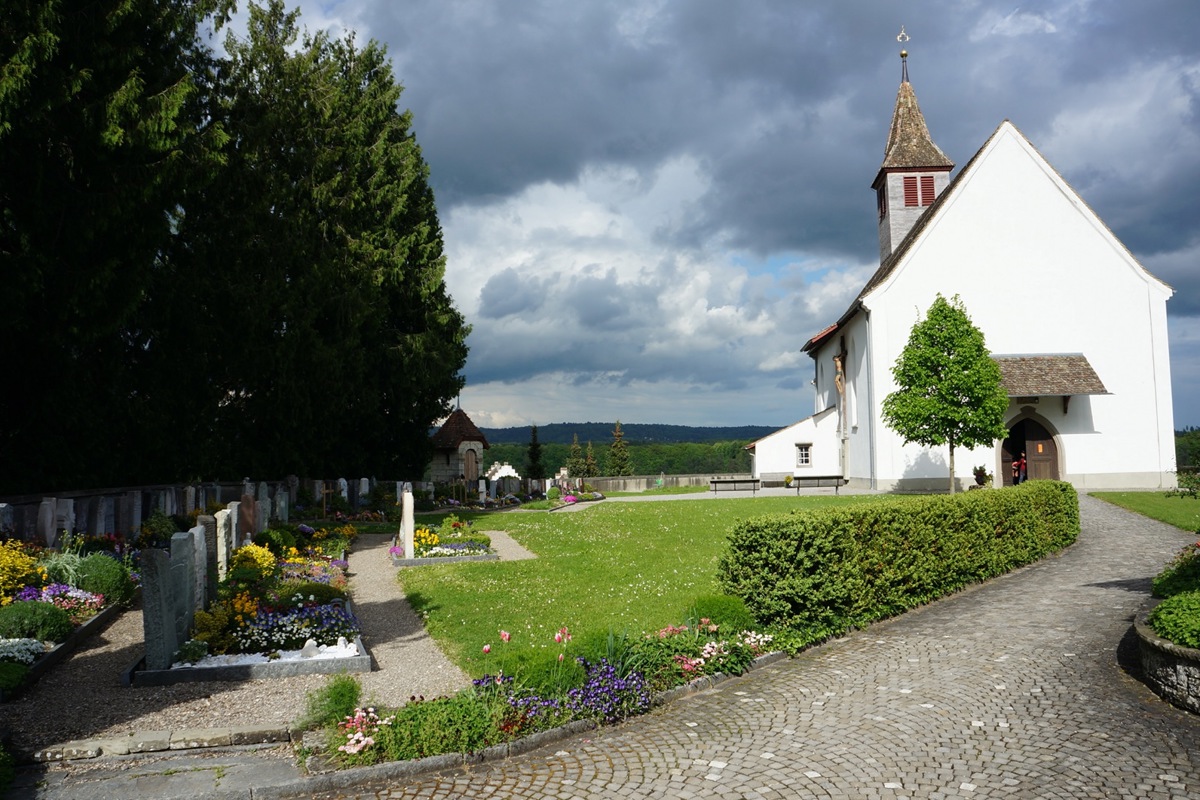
[1038, 273]
[775, 455]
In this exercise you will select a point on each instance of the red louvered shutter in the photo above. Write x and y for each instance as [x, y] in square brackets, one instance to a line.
[926, 190]
[910, 192]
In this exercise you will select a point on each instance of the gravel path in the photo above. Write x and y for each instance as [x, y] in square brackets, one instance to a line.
[83, 698]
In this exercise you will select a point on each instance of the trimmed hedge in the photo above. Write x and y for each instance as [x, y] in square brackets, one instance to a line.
[827, 571]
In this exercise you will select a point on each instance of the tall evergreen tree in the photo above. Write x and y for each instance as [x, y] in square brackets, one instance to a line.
[101, 127]
[948, 387]
[590, 468]
[619, 462]
[342, 346]
[576, 466]
[534, 470]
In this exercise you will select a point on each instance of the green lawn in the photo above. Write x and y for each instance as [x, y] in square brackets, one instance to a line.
[1182, 512]
[614, 567]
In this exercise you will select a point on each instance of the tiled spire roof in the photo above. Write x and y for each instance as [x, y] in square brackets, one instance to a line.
[457, 428]
[909, 144]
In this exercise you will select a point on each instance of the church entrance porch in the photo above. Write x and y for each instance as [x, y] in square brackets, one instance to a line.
[1030, 437]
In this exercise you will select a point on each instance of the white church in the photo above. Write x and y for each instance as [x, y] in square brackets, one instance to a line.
[1076, 324]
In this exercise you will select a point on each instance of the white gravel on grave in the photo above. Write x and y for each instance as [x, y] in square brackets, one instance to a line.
[324, 652]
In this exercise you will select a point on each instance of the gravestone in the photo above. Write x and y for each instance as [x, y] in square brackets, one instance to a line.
[189, 499]
[364, 491]
[64, 515]
[6, 517]
[246, 524]
[212, 569]
[343, 489]
[169, 596]
[263, 493]
[95, 516]
[247, 487]
[225, 540]
[262, 515]
[407, 525]
[281, 504]
[293, 486]
[199, 569]
[45, 520]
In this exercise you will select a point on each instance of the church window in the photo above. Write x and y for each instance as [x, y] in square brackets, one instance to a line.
[918, 192]
[803, 455]
[926, 190]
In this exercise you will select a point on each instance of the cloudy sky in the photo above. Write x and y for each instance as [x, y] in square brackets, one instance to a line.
[649, 205]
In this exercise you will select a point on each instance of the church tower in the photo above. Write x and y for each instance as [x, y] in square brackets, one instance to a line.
[915, 171]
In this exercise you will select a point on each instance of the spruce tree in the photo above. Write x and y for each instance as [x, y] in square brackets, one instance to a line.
[533, 465]
[590, 468]
[575, 463]
[619, 462]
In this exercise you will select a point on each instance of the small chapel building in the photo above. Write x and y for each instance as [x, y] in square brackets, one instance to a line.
[1076, 324]
[457, 450]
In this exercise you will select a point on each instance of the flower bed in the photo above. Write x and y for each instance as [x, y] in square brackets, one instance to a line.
[571, 690]
[281, 610]
[50, 600]
[1169, 633]
[451, 541]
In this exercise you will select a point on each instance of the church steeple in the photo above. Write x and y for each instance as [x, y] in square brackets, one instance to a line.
[914, 171]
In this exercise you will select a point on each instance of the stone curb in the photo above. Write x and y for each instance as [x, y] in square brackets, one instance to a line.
[206, 738]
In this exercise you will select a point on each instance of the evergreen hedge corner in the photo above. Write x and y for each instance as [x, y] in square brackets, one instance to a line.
[827, 571]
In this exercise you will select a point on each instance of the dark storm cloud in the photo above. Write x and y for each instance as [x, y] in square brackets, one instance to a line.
[783, 108]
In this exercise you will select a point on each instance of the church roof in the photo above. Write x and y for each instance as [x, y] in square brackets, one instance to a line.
[1048, 375]
[457, 428]
[909, 144]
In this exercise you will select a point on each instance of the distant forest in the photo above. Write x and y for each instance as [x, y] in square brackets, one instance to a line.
[1187, 447]
[653, 449]
[597, 432]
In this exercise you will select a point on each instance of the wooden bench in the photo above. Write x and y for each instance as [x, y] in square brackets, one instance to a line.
[817, 481]
[733, 483]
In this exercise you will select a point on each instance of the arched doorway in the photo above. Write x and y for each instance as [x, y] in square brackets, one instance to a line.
[471, 465]
[1030, 437]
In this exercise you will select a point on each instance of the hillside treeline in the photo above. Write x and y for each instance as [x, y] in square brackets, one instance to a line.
[601, 433]
[677, 458]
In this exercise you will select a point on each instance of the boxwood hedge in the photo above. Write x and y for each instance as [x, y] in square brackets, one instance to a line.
[823, 572]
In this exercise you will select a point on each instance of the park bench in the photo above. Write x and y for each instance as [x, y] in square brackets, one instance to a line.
[733, 483]
[817, 481]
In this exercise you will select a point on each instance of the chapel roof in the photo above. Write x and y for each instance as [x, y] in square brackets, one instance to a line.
[1049, 374]
[909, 144]
[458, 428]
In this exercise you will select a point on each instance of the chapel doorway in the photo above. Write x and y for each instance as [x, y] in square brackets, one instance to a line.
[470, 466]
[1030, 437]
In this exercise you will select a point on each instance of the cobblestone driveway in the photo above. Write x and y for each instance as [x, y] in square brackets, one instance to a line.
[1017, 688]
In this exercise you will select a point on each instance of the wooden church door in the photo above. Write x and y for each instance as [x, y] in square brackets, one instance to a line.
[1041, 455]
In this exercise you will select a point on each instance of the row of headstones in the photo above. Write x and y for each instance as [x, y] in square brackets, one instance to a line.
[178, 583]
[101, 514]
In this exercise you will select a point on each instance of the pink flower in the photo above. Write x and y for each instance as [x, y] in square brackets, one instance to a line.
[487, 648]
[505, 636]
[558, 638]
[560, 657]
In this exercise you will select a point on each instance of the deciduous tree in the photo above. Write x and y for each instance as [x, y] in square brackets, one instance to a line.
[948, 387]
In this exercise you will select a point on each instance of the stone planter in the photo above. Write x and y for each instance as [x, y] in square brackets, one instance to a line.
[60, 651]
[1173, 672]
[421, 562]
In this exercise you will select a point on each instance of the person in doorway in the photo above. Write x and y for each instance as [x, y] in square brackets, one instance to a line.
[1018, 469]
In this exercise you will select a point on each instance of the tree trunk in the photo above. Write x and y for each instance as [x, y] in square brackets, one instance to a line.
[951, 467]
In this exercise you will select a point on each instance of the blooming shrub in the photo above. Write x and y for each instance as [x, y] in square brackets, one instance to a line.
[18, 568]
[256, 558]
[317, 570]
[360, 729]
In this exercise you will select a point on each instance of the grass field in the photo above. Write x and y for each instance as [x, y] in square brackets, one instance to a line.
[627, 568]
[1182, 512]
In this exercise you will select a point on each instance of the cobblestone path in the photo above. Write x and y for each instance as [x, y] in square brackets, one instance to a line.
[1017, 688]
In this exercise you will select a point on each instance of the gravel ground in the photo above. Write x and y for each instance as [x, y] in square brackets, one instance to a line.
[83, 697]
